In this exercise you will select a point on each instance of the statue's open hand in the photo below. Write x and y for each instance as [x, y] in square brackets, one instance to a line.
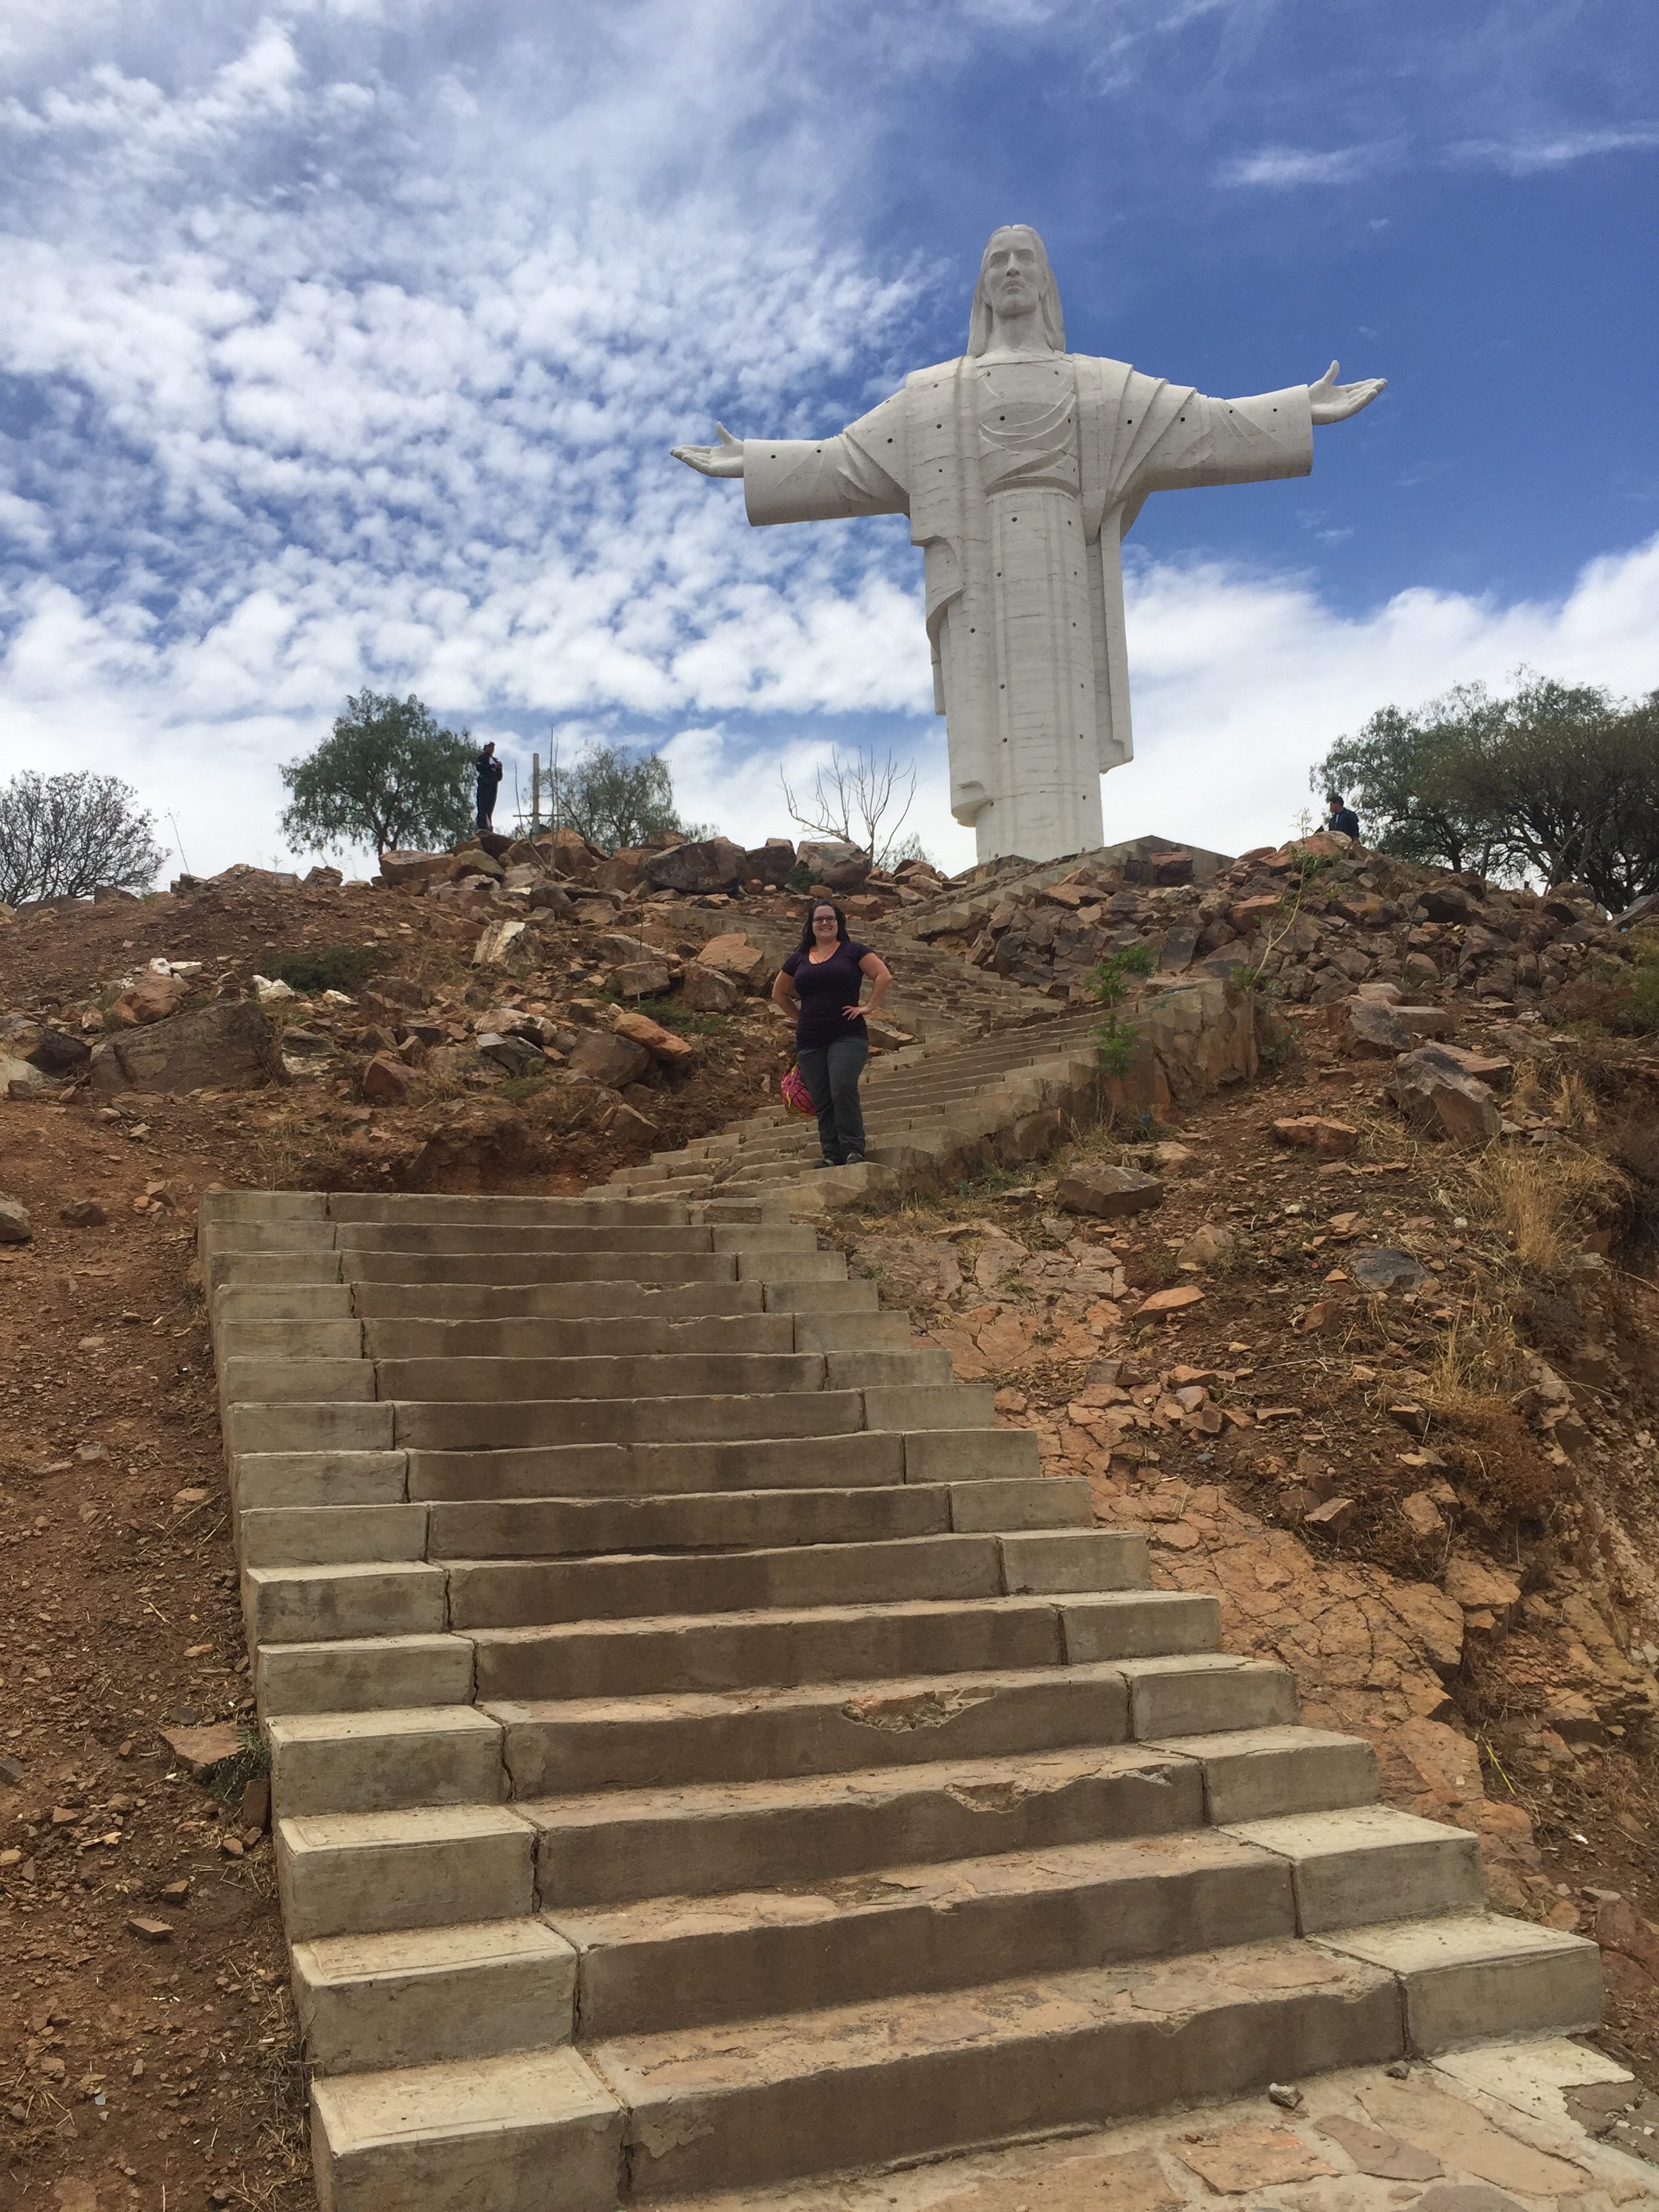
[1334, 403]
[724, 459]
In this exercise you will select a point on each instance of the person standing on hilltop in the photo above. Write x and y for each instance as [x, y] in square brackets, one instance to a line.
[820, 982]
[1342, 817]
[490, 780]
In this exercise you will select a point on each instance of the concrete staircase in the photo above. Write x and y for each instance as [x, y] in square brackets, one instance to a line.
[933, 1114]
[707, 1751]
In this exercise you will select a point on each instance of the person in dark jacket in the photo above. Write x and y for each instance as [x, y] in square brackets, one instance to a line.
[1342, 817]
[819, 983]
[490, 780]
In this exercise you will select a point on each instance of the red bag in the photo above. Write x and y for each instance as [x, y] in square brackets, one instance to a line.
[797, 1098]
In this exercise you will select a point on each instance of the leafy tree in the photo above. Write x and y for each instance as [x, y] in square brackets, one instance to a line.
[62, 836]
[1401, 775]
[1558, 780]
[388, 777]
[617, 799]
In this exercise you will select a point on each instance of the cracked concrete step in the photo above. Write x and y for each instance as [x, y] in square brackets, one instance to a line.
[416, 1997]
[762, 1519]
[535, 2131]
[586, 1744]
[1470, 1977]
[863, 2084]
[836, 1644]
[853, 1458]
[513, 1593]
[704, 1839]
[669, 1962]
[348, 1873]
[1371, 1862]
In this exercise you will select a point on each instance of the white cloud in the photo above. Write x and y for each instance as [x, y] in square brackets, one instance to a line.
[1530, 154]
[1280, 168]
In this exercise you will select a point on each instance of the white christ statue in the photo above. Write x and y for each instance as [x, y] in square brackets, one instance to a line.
[1021, 467]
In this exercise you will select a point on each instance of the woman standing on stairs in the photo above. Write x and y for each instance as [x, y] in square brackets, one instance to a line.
[819, 983]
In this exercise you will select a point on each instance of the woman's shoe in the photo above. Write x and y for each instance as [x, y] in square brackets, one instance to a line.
[854, 1160]
[825, 1163]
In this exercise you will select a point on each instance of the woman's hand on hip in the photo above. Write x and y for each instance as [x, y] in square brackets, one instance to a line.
[852, 1013]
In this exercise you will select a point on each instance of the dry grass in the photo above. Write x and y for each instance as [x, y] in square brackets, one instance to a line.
[1545, 1197]
[1502, 1475]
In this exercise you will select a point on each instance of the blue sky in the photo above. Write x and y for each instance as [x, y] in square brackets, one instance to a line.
[344, 341]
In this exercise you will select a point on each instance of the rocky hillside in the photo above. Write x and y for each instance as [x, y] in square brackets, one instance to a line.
[1317, 917]
[508, 1009]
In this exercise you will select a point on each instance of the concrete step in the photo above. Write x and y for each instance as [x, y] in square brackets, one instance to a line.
[619, 1335]
[549, 1528]
[730, 2107]
[346, 1874]
[669, 1962]
[587, 1744]
[314, 1605]
[1467, 1978]
[535, 2131]
[848, 1459]
[513, 1593]
[1371, 1862]
[737, 1415]
[646, 1374]
[418, 1997]
[826, 1643]
[385, 1761]
[427, 1299]
[443, 1240]
[364, 1674]
[704, 1839]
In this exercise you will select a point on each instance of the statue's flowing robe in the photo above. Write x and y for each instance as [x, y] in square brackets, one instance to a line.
[1030, 667]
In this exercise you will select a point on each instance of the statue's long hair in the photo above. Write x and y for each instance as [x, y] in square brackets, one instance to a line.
[979, 319]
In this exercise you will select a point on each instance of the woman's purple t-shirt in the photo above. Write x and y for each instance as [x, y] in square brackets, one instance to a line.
[825, 986]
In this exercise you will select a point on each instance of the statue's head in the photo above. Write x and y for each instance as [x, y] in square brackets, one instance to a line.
[1014, 276]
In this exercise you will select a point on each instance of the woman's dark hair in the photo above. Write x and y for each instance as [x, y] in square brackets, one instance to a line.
[806, 938]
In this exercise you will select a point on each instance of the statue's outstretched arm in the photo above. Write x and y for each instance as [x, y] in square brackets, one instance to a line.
[724, 459]
[1332, 402]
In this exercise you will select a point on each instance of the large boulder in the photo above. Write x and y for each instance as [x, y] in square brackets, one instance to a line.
[708, 863]
[704, 990]
[1374, 1030]
[770, 863]
[662, 1044]
[749, 966]
[151, 997]
[226, 1045]
[1434, 1094]
[416, 870]
[838, 867]
[609, 1059]
[1107, 1192]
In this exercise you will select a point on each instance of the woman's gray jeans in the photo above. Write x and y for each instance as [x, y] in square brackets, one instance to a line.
[831, 1072]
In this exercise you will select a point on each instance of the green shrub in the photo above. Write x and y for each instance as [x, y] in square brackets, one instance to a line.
[327, 968]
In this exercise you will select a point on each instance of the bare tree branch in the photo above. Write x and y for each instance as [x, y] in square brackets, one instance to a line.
[853, 801]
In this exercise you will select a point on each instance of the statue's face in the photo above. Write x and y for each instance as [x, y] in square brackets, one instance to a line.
[1013, 272]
